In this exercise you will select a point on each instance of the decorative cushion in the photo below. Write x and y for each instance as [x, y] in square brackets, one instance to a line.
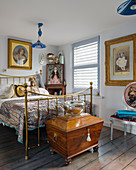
[8, 93]
[19, 90]
[43, 91]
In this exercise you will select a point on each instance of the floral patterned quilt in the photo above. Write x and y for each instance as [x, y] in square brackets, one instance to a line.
[12, 114]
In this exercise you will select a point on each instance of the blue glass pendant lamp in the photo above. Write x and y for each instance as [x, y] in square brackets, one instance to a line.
[38, 44]
[127, 8]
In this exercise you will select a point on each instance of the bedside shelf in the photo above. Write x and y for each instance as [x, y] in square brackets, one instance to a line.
[56, 89]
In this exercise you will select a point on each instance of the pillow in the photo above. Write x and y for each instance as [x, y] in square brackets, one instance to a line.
[39, 81]
[43, 91]
[4, 88]
[14, 96]
[19, 90]
[8, 93]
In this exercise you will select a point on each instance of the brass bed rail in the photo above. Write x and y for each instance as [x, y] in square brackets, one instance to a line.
[48, 98]
[78, 95]
[13, 78]
[18, 80]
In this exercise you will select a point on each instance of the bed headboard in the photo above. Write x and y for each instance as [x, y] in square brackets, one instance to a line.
[9, 79]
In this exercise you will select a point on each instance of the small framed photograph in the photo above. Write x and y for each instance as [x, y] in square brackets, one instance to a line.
[55, 74]
[19, 54]
[120, 61]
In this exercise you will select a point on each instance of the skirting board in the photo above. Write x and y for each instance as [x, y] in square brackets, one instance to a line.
[116, 126]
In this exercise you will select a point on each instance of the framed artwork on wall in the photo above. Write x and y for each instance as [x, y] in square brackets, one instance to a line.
[19, 54]
[120, 61]
[130, 96]
[55, 74]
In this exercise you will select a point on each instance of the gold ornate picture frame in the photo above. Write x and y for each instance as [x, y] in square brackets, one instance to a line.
[120, 61]
[19, 55]
[55, 74]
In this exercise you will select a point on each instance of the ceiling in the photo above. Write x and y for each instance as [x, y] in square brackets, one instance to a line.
[65, 21]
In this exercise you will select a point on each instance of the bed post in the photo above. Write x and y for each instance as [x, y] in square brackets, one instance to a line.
[26, 123]
[91, 98]
[38, 126]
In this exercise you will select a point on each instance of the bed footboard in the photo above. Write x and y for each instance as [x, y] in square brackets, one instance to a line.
[79, 96]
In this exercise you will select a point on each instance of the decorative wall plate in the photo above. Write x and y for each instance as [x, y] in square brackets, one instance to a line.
[42, 58]
[50, 58]
[130, 96]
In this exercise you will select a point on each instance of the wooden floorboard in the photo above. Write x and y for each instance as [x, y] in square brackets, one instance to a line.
[117, 154]
[86, 158]
[122, 160]
[105, 159]
[131, 165]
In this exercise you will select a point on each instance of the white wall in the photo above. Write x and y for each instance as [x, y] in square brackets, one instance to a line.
[112, 100]
[35, 59]
[112, 94]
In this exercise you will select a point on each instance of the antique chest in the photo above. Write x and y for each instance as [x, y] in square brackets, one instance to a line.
[70, 136]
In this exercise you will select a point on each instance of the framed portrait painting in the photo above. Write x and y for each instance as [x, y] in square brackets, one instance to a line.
[55, 74]
[130, 96]
[120, 61]
[19, 55]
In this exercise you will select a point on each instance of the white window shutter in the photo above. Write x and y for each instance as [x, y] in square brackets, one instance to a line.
[85, 66]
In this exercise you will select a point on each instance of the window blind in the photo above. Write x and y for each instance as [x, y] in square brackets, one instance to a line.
[85, 63]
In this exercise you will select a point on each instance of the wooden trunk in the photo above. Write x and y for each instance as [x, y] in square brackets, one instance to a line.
[68, 135]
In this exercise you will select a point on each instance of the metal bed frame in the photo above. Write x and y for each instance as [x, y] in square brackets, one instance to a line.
[50, 97]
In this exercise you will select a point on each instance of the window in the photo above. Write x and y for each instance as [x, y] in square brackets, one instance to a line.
[86, 64]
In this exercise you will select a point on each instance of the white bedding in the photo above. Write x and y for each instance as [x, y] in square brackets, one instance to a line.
[42, 91]
[19, 98]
